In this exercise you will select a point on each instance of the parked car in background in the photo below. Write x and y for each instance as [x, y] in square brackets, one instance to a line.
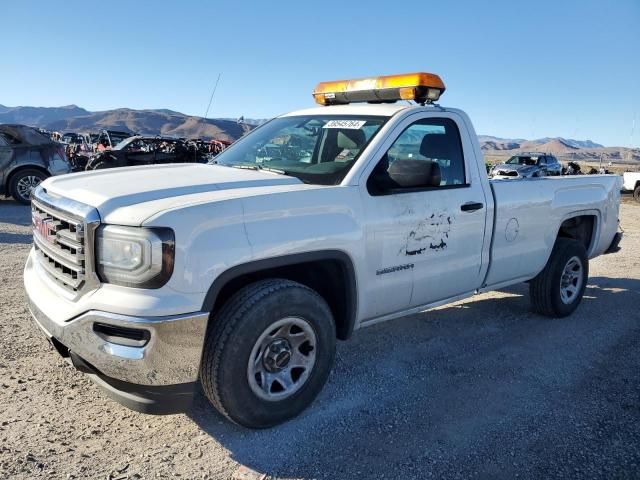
[527, 165]
[631, 183]
[27, 157]
[145, 150]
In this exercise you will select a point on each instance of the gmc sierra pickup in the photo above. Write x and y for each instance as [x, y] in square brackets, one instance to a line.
[239, 276]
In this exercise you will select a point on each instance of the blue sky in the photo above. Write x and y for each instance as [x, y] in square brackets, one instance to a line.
[520, 69]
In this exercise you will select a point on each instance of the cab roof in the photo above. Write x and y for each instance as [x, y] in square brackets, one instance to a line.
[376, 109]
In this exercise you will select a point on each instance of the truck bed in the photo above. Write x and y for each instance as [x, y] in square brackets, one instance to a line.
[525, 208]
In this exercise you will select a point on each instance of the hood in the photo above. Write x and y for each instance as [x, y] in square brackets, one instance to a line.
[522, 170]
[130, 195]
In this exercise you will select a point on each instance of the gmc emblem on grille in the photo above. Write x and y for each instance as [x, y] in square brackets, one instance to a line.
[41, 225]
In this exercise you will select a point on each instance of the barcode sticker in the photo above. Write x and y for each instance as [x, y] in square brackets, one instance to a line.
[348, 124]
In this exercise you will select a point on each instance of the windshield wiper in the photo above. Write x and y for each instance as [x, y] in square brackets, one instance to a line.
[256, 167]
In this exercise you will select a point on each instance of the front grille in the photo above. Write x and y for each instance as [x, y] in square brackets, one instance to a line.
[60, 245]
[63, 238]
[508, 173]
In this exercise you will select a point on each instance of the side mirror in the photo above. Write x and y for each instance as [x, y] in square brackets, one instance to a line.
[412, 173]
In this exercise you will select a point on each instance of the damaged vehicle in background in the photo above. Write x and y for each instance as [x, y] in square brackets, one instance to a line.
[527, 165]
[72, 138]
[79, 150]
[27, 157]
[81, 147]
[108, 139]
[145, 150]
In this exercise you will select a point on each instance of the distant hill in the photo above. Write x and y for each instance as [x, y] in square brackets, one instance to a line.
[495, 148]
[153, 122]
[149, 122]
[571, 142]
[494, 145]
[491, 138]
[38, 116]
[558, 143]
[552, 145]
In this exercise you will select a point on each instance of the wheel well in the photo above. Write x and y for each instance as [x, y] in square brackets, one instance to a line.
[332, 279]
[579, 228]
[21, 168]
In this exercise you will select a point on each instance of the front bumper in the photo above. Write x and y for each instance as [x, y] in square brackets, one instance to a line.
[158, 377]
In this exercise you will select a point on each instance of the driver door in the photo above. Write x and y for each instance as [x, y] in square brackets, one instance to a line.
[425, 244]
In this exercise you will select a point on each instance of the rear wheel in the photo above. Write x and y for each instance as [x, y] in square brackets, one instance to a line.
[23, 182]
[558, 289]
[636, 193]
[268, 353]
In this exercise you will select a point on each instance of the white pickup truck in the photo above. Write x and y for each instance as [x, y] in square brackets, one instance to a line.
[240, 275]
[631, 183]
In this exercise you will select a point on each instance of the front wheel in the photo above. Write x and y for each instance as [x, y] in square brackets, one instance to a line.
[268, 353]
[636, 193]
[23, 183]
[558, 289]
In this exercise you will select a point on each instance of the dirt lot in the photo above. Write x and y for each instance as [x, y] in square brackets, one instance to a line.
[480, 389]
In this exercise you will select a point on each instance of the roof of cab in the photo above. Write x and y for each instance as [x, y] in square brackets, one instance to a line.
[375, 109]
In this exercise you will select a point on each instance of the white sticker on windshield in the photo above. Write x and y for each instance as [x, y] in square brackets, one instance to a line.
[349, 124]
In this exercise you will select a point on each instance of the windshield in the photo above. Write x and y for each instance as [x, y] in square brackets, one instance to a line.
[123, 143]
[520, 160]
[118, 137]
[316, 149]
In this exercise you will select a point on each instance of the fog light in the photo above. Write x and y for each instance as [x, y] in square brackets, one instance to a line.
[130, 337]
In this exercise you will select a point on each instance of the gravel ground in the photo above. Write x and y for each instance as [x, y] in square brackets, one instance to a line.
[479, 389]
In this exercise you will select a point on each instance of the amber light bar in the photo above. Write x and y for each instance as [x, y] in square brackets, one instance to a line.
[421, 87]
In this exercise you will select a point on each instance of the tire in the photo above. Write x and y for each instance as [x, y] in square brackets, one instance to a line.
[551, 294]
[237, 334]
[636, 193]
[23, 182]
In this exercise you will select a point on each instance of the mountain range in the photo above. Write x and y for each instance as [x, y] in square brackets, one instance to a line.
[72, 118]
[568, 142]
[564, 148]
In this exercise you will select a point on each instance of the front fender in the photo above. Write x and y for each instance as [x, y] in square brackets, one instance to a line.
[214, 237]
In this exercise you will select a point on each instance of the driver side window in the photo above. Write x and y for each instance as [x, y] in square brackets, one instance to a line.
[426, 155]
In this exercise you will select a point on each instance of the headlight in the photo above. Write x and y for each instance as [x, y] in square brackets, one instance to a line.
[135, 256]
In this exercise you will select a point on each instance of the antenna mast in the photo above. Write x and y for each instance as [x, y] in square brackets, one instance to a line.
[213, 92]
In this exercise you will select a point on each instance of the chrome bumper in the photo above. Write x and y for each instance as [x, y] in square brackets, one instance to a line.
[171, 356]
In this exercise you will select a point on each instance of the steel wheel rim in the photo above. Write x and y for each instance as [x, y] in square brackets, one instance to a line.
[571, 280]
[282, 359]
[26, 185]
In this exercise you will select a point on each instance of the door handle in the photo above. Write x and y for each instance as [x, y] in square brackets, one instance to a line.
[471, 206]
